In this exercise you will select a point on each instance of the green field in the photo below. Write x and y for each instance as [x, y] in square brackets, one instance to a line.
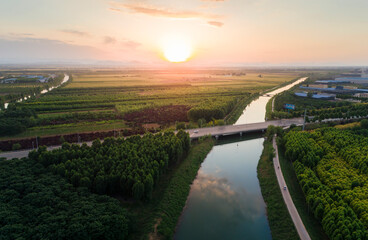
[105, 100]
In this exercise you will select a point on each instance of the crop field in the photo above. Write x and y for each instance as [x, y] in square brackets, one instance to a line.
[105, 100]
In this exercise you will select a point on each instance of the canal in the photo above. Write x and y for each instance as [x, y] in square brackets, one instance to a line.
[225, 199]
[65, 79]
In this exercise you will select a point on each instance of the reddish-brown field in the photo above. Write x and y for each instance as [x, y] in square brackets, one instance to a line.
[161, 115]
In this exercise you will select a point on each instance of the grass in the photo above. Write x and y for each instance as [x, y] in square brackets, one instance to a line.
[312, 225]
[282, 227]
[162, 212]
[348, 125]
[194, 78]
[269, 108]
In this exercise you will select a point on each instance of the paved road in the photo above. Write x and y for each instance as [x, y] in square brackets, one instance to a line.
[24, 153]
[302, 231]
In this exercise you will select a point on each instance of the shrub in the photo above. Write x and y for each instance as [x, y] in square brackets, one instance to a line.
[16, 146]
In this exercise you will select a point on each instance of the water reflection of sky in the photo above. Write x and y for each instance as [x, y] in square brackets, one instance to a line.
[225, 200]
[255, 112]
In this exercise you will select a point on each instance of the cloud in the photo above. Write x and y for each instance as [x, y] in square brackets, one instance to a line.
[215, 23]
[125, 43]
[115, 9]
[109, 40]
[150, 10]
[26, 49]
[21, 34]
[130, 44]
[75, 32]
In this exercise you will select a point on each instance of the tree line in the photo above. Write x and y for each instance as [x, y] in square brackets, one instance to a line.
[212, 110]
[130, 167]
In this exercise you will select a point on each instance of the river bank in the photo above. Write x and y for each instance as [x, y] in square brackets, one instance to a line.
[227, 183]
[256, 110]
[278, 216]
[158, 217]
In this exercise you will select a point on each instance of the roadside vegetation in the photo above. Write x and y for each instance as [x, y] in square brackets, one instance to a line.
[282, 227]
[312, 225]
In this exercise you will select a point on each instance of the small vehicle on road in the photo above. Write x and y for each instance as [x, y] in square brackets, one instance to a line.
[284, 187]
[195, 131]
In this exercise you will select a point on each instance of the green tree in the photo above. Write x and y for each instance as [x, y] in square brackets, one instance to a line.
[364, 123]
[138, 190]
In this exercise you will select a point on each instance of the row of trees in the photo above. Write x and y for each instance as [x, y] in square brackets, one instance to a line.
[302, 103]
[345, 112]
[77, 117]
[211, 110]
[15, 120]
[351, 147]
[338, 219]
[331, 168]
[302, 147]
[35, 204]
[130, 167]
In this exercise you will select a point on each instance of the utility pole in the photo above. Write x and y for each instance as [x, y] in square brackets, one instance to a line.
[305, 113]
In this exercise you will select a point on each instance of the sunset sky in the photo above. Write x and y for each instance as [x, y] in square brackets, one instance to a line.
[220, 32]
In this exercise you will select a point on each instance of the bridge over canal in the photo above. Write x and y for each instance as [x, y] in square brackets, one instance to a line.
[241, 129]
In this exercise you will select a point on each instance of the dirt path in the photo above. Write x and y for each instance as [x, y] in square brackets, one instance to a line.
[154, 235]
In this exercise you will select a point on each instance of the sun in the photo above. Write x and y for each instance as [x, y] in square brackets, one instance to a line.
[177, 50]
